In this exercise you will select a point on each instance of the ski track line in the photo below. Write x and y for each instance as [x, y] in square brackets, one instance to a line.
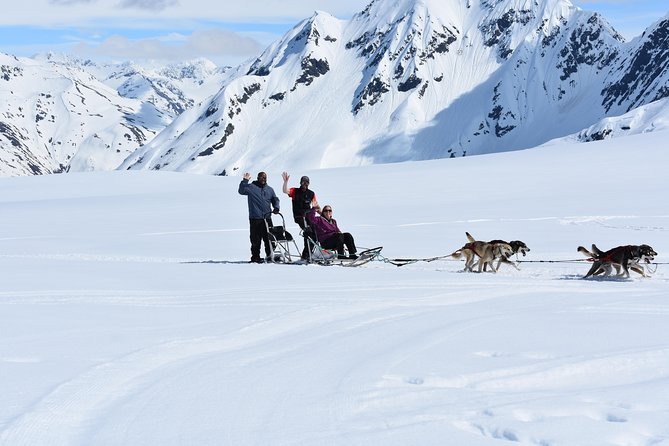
[339, 409]
[519, 392]
[399, 398]
[655, 310]
[280, 414]
[566, 374]
[564, 220]
[192, 231]
[197, 298]
[99, 258]
[62, 416]
[176, 299]
[331, 293]
[27, 237]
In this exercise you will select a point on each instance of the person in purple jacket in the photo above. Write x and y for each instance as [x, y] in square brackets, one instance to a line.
[328, 233]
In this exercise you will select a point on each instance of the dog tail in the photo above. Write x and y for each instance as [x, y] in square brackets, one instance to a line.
[585, 252]
[469, 237]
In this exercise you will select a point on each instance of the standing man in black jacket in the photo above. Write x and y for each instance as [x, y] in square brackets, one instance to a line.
[303, 200]
[261, 200]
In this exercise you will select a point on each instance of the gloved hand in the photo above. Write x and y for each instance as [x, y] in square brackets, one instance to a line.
[275, 211]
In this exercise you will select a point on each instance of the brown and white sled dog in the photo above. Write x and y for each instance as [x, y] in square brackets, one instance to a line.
[517, 247]
[622, 258]
[484, 251]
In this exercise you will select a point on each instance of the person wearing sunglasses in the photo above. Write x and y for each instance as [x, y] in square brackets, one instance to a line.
[329, 235]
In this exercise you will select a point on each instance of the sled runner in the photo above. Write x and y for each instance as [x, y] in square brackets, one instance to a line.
[365, 256]
[322, 256]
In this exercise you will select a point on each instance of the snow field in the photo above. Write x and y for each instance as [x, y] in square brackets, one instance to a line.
[127, 315]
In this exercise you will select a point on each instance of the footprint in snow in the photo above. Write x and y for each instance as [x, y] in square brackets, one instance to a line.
[415, 380]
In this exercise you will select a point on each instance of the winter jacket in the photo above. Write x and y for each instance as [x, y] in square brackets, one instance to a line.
[324, 228]
[259, 198]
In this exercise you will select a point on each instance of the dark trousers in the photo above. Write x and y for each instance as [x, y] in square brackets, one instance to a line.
[306, 233]
[338, 241]
[259, 233]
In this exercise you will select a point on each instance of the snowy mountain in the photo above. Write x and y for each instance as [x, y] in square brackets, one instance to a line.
[416, 79]
[63, 114]
[402, 80]
[58, 117]
[639, 89]
[641, 76]
[171, 88]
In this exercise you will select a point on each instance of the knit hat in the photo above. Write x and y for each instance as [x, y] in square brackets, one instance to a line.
[304, 178]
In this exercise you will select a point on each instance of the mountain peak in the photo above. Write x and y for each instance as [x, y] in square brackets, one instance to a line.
[402, 80]
[406, 80]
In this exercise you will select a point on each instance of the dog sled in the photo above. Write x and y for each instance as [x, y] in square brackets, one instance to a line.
[286, 251]
[323, 256]
[284, 246]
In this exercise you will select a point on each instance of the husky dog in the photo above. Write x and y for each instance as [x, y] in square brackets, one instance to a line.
[486, 253]
[632, 264]
[622, 258]
[517, 247]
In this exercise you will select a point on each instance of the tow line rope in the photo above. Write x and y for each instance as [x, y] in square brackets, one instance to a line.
[404, 262]
[556, 261]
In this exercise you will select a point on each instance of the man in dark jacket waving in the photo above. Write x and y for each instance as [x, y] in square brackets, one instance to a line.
[261, 199]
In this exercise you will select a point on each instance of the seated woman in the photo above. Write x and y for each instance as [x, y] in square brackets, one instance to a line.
[328, 233]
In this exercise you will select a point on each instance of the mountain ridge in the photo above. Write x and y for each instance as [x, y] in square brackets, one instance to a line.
[61, 114]
[405, 80]
[415, 79]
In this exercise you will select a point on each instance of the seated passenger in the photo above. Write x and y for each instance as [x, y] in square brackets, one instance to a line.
[328, 233]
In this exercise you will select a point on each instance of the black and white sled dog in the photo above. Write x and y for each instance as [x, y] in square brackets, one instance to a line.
[517, 247]
[621, 258]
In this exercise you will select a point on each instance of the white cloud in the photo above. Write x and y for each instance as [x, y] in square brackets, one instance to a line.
[151, 5]
[69, 2]
[62, 12]
[606, 2]
[262, 19]
[215, 44]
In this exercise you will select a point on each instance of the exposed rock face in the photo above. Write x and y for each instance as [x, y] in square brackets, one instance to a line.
[642, 76]
[401, 80]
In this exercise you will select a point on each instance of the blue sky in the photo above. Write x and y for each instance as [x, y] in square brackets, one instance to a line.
[224, 32]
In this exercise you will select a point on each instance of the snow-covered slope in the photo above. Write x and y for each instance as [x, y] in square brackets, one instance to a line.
[172, 88]
[56, 117]
[644, 119]
[129, 316]
[416, 79]
[402, 80]
[59, 113]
